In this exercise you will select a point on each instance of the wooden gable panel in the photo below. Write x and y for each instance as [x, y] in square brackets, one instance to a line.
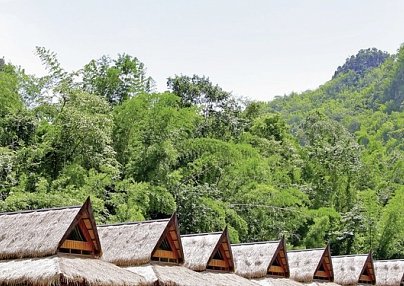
[324, 269]
[81, 236]
[169, 247]
[222, 258]
[279, 265]
[368, 273]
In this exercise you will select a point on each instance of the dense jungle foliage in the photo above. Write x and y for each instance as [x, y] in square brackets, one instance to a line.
[321, 166]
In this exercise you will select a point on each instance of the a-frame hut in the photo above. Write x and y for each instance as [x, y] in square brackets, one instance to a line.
[138, 243]
[208, 251]
[210, 254]
[310, 265]
[261, 259]
[57, 246]
[152, 249]
[354, 269]
[389, 272]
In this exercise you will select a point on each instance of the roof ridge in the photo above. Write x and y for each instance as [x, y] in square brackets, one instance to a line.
[254, 243]
[39, 210]
[348, 255]
[134, 222]
[201, 234]
[310, 249]
[388, 260]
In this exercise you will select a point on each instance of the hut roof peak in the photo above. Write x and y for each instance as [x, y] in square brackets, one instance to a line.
[137, 243]
[353, 269]
[257, 260]
[203, 250]
[309, 264]
[38, 233]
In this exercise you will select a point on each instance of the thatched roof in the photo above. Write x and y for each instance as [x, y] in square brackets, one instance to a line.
[170, 275]
[146, 271]
[253, 260]
[317, 283]
[389, 272]
[62, 269]
[38, 233]
[268, 281]
[348, 269]
[200, 248]
[304, 264]
[225, 279]
[130, 244]
[175, 275]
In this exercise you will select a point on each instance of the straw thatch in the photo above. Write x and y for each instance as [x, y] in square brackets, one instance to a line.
[268, 281]
[131, 244]
[225, 279]
[277, 282]
[63, 269]
[315, 283]
[198, 248]
[179, 276]
[34, 233]
[146, 271]
[303, 263]
[175, 275]
[171, 275]
[252, 260]
[389, 272]
[347, 269]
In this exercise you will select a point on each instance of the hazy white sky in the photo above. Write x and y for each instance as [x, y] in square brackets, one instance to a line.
[256, 49]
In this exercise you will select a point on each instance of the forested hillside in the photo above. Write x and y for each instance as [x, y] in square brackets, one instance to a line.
[317, 167]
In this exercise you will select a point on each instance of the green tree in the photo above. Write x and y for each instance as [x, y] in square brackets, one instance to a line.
[333, 160]
[116, 80]
[219, 109]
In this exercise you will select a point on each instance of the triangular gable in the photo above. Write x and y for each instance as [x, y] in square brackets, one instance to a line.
[324, 270]
[221, 257]
[169, 246]
[367, 275]
[81, 237]
[279, 265]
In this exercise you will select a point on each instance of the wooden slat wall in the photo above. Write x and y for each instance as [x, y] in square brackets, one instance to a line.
[79, 245]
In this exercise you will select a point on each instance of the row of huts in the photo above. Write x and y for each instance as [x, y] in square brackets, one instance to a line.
[64, 246]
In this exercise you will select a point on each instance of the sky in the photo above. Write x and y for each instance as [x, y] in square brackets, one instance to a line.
[255, 49]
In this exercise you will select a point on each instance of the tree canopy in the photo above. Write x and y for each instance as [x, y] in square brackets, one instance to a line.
[322, 166]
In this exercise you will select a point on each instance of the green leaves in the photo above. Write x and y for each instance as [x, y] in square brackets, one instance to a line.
[116, 80]
[322, 166]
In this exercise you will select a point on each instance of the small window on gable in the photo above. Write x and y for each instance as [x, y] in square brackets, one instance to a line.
[276, 262]
[218, 255]
[165, 245]
[76, 234]
[321, 268]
